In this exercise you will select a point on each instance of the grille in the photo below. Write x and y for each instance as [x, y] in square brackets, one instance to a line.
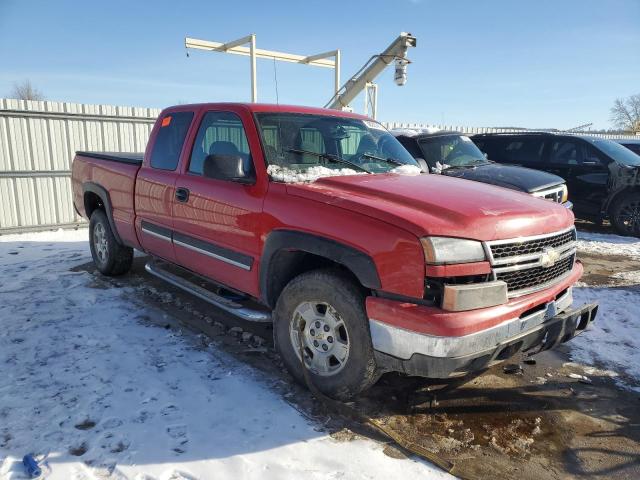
[555, 195]
[505, 250]
[531, 277]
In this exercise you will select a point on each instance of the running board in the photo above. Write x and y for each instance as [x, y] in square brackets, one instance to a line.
[229, 306]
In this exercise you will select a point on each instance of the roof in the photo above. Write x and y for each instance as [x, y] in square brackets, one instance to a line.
[267, 107]
[628, 140]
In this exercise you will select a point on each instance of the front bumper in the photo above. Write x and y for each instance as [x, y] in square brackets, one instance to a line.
[445, 357]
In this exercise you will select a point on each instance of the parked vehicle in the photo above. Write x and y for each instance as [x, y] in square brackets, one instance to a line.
[602, 176]
[319, 221]
[633, 145]
[455, 155]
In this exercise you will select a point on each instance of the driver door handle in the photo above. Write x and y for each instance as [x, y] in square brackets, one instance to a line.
[182, 194]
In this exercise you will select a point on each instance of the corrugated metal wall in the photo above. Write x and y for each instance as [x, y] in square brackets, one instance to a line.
[37, 144]
[39, 139]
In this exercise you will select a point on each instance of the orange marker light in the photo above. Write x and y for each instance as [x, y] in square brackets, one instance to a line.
[166, 121]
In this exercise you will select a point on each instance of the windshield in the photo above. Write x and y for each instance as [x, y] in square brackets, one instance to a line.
[301, 147]
[448, 151]
[616, 151]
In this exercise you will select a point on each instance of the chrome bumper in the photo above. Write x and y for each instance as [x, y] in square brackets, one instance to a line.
[403, 344]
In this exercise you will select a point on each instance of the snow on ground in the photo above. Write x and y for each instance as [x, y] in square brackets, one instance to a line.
[613, 341]
[608, 244]
[96, 389]
[614, 338]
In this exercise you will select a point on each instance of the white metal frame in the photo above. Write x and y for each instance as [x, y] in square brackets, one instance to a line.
[371, 100]
[329, 59]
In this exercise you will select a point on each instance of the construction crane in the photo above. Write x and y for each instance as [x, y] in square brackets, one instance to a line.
[396, 52]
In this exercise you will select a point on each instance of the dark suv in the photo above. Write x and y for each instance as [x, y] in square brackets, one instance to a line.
[603, 176]
[455, 155]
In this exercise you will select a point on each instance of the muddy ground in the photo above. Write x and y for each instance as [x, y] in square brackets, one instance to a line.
[539, 423]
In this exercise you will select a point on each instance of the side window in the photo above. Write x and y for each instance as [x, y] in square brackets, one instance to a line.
[524, 150]
[219, 133]
[170, 139]
[565, 152]
[593, 156]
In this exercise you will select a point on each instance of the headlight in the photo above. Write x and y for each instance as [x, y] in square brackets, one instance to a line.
[445, 250]
[565, 193]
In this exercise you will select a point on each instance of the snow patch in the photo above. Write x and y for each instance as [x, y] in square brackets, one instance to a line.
[311, 174]
[413, 132]
[605, 244]
[94, 388]
[613, 340]
[406, 170]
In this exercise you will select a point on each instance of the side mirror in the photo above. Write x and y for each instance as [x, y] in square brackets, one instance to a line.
[228, 167]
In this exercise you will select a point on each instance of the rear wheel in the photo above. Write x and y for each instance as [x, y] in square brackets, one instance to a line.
[625, 214]
[320, 320]
[110, 257]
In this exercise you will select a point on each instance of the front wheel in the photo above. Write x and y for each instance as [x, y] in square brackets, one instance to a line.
[625, 214]
[320, 320]
[110, 257]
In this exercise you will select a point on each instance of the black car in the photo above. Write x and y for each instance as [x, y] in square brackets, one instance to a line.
[633, 145]
[455, 155]
[602, 175]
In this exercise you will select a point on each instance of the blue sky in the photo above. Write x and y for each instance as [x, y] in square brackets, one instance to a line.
[483, 63]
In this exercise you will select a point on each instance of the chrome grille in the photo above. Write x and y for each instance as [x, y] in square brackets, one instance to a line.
[554, 194]
[531, 277]
[525, 247]
[530, 264]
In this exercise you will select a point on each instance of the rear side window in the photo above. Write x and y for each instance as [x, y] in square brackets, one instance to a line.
[524, 150]
[170, 139]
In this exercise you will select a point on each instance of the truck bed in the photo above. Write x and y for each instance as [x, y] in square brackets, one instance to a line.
[111, 176]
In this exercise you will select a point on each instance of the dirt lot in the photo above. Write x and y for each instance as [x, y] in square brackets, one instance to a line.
[552, 419]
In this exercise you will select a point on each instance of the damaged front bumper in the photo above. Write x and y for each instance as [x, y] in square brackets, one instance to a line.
[431, 356]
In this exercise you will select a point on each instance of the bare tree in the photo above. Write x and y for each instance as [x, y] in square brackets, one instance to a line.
[625, 113]
[25, 91]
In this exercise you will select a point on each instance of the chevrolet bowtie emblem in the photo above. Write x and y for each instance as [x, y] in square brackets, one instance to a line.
[549, 257]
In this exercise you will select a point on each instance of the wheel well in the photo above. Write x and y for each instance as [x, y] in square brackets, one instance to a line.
[618, 195]
[285, 265]
[92, 202]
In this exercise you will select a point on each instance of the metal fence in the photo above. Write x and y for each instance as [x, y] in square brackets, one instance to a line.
[37, 144]
[39, 139]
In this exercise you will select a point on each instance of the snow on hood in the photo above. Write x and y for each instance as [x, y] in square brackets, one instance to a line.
[311, 174]
[412, 132]
[406, 170]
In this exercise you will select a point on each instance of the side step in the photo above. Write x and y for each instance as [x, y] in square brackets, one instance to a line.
[228, 305]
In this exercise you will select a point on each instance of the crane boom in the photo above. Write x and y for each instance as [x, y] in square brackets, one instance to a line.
[397, 52]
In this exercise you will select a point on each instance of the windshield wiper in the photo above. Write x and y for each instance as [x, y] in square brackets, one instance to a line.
[381, 159]
[326, 156]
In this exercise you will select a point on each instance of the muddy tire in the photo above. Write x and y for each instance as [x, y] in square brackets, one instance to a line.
[625, 214]
[324, 310]
[110, 257]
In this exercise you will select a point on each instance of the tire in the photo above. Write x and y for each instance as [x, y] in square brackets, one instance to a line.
[110, 257]
[625, 214]
[328, 299]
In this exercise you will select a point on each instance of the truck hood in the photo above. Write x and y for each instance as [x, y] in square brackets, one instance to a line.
[508, 176]
[439, 205]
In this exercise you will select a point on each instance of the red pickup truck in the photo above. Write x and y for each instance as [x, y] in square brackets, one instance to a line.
[320, 222]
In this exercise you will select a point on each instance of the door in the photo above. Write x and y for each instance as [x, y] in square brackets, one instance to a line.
[216, 222]
[155, 184]
[583, 168]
